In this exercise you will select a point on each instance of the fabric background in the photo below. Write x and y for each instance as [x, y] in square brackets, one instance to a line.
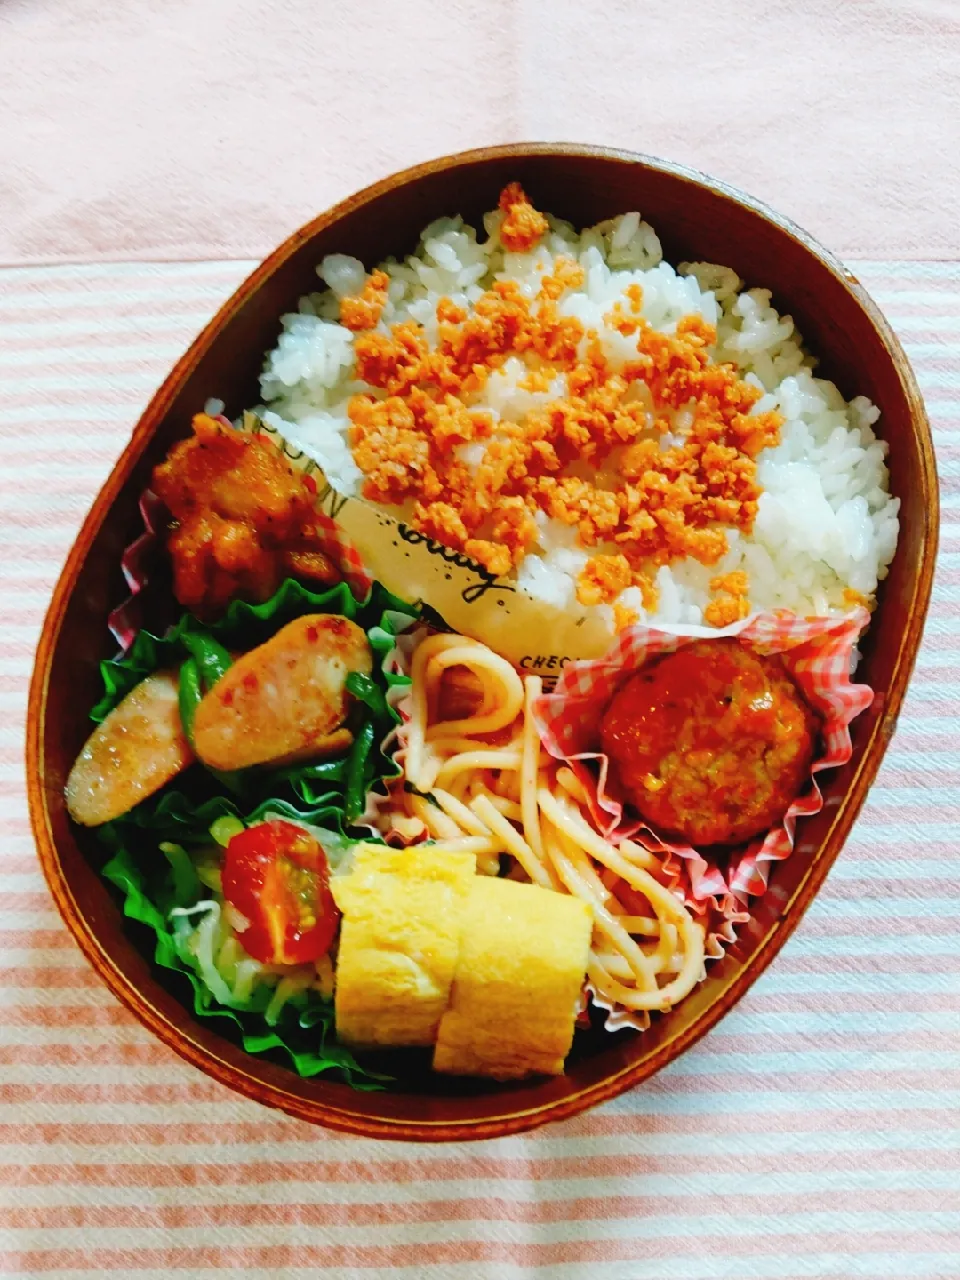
[816, 1131]
[201, 128]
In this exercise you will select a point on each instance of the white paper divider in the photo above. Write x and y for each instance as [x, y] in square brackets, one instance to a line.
[536, 637]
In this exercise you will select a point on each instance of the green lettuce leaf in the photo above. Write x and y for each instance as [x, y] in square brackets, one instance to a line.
[304, 1031]
[151, 885]
[153, 881]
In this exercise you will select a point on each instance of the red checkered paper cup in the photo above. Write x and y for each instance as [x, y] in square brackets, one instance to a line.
[817, 652]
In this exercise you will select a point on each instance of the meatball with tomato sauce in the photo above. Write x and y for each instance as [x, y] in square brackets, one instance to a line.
[711, 743]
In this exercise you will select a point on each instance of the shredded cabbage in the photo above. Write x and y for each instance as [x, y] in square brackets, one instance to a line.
[206, 940]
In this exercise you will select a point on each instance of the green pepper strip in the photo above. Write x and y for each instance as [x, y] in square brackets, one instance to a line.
[326, 771]
[212, 659]
[368, 692]
[190, 696]
[355, 792]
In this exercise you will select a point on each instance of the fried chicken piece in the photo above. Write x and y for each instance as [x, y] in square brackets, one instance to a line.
[244, 519]
[138, 748]
[285, 700]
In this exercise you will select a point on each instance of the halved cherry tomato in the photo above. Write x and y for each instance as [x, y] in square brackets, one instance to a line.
[275, 874]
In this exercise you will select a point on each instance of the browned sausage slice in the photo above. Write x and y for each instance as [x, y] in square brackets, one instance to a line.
[285, 700]
[138, 747]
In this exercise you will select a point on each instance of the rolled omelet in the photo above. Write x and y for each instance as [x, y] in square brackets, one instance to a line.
[403, 913]
[513, 1002]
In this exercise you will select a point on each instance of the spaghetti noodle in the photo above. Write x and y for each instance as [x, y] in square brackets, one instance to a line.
[482, 782]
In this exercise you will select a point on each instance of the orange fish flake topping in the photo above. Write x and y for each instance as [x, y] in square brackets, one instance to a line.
[623, 617]
[672, 433]
[567, 274]
[363, 310]
[853, 597]
[523, 225]
[731, 603]
[603, 578]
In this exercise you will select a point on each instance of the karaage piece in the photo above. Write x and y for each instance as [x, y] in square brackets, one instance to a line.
[243, 519]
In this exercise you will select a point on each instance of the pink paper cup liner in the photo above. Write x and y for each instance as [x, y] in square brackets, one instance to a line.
[818, 653]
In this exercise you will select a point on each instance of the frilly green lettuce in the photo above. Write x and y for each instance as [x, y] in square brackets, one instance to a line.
[153, 882]
[152, 886]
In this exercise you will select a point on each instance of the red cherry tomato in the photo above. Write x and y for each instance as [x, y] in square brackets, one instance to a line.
[275, 874]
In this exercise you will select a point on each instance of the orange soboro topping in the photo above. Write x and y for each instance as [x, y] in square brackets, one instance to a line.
[603, 579]
[853, 598]
[655, 505]
[363, 310]
[730, 604]
[522, 225]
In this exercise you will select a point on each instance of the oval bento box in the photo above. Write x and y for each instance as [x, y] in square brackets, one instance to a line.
[697, 218]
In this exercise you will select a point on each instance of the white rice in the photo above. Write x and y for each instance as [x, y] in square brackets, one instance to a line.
[826, 521]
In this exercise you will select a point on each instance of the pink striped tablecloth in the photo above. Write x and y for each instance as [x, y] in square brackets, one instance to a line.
[814, 1133]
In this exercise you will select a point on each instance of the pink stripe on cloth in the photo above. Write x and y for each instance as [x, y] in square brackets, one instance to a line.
[815, 1133]
[487, 1209]
[505, 1259]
